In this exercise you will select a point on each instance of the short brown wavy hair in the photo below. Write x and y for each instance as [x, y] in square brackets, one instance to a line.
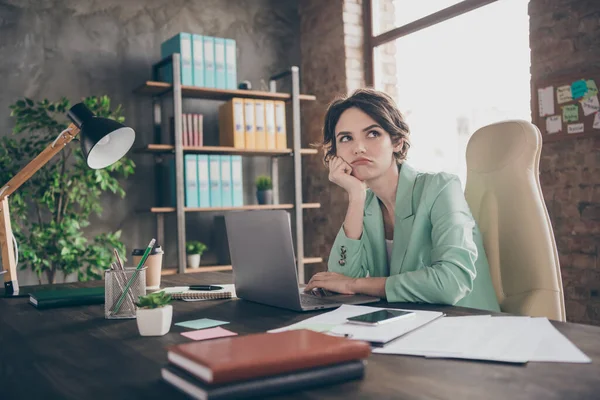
[379, 106]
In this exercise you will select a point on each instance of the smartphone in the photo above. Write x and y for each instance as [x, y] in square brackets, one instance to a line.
[380, 317]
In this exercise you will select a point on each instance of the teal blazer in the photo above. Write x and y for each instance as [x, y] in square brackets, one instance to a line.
[438, 255]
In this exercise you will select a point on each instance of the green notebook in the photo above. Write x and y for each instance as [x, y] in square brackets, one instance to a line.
[66, 297]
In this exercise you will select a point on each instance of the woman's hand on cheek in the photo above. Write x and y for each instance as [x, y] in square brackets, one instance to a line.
[340, 173]
[331, 281]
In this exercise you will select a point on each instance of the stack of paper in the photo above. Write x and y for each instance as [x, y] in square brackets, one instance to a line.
[481, 337]
[503, 339]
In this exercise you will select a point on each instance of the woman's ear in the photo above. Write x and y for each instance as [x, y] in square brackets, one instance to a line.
[399, 146]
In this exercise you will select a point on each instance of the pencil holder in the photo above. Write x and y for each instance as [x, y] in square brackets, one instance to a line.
[115, 282]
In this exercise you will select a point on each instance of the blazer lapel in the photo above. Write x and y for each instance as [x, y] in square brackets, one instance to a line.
[404, 217]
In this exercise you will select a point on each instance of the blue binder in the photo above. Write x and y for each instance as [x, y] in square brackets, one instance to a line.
[220, 63]
[226, 192]
[230, 64]
[182, 44]
[214, 168]
[203, 181]
[198, 57]
[209, 61]
[191, 180]
[237, 181]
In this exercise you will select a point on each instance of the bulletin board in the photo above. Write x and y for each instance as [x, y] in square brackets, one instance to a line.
[567, 107]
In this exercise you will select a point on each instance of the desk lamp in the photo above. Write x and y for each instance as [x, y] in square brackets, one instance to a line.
[103, 142]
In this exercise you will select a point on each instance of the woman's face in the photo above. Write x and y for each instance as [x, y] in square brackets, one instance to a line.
[362, 143]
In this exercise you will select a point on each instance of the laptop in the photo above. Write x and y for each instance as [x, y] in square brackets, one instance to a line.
[264, 266]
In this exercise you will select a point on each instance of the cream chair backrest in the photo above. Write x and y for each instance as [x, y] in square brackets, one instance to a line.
[504, 194]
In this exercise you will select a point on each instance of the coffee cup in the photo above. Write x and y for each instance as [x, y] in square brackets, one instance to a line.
[154, 264]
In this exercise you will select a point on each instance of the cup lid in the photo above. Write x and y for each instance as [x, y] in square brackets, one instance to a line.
[140, 252]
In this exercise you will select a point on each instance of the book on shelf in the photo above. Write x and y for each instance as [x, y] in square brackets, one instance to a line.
[270, 124]
[198, 57]
[214, 174]
[182, 44]
[230, 64]
[265, 386]
[259, 125]
[231, 124]
[220, 74]
[209, 61]
[280, 125]
[191, 180]
[240, 358]
[226, 187]
[249, 124]
[203, 181]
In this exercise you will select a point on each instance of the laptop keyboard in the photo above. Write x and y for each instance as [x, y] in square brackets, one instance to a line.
[310, 300]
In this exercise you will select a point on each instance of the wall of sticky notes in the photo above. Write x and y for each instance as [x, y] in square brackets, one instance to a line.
[567, 107]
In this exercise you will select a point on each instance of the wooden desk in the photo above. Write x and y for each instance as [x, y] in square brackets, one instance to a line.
[74, 353]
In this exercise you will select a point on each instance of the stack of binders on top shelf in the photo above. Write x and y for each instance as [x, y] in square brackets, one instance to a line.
[253, 124]
[209, 181]
[206, 61]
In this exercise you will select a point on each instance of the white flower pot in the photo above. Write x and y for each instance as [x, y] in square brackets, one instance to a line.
[154, 321]
[193, 260]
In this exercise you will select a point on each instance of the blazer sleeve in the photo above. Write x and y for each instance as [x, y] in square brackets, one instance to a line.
[347, 255]
[450, 276]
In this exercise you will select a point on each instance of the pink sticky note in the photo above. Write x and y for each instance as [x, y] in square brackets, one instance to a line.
[211, 333]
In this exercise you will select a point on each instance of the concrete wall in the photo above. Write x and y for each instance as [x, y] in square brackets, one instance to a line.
[50, 49]
[564, 39]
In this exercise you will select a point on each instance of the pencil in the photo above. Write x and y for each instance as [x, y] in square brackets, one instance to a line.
[137, 269]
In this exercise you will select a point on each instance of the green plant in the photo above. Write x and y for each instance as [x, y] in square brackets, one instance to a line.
[263, 182]
[194, 247]
[154, 300]
[52, 209]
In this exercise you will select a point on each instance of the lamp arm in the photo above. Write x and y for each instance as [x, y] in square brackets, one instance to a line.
[7, 239]
[42, 159]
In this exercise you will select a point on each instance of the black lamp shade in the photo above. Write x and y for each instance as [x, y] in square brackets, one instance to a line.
[103, 141]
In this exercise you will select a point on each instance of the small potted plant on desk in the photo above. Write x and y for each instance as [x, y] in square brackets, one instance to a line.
[264, 190]
[194, 251]
[154, 314]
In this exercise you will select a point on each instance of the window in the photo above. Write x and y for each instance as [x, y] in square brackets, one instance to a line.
[455, 76]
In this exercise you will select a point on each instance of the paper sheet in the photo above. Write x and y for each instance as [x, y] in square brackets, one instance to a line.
[553, 124]
[575, 128]
[570, 113]
[376, 334]
[596, 124]
[563, 94]
[590, 105]
[579, 89]
[504, 339]
[202, 323]
[211, 333]
[546, 101]
[592, 88]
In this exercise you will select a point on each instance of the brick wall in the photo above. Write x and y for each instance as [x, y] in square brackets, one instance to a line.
[564, 39]
[331, 45]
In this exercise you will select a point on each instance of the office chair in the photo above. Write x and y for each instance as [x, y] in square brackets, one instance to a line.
[504, 194]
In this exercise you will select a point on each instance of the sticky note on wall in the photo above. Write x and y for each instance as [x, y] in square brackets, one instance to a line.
[579, 89]
[570, 113]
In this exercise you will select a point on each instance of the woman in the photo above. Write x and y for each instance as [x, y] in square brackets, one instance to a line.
[409, 237]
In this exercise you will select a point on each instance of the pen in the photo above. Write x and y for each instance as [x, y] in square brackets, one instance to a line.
[205, 287]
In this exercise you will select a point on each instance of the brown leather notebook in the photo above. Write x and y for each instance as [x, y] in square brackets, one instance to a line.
[246, 357]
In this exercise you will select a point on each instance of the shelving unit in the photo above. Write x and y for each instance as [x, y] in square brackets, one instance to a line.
[158, 89]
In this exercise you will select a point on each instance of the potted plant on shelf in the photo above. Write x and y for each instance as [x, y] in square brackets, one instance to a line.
[154, 314]
[194, 251]
[264, 190]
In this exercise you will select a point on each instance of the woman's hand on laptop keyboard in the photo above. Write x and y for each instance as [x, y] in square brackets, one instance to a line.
[331, 281]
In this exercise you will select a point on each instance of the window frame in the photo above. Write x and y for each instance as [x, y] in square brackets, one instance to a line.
[371, 42]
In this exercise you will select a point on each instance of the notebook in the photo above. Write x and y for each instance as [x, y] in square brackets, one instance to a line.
[200, 295]
[51, 298]
[262, 387]
[239, 358]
